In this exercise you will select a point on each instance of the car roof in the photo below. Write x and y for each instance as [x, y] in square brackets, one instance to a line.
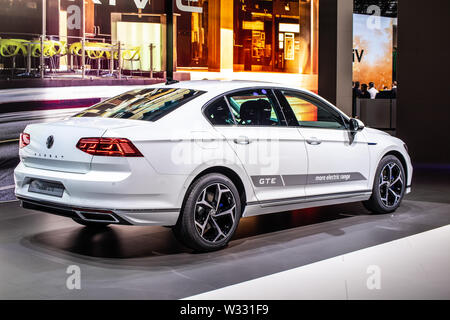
[222, 86]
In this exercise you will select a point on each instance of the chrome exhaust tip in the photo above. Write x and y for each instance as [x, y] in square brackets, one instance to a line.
[97, 217]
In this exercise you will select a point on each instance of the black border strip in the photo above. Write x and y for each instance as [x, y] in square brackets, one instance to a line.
[306, 199]
[69, 211]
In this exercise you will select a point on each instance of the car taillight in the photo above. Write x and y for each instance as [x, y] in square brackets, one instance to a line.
[109, 147]
[24, 140]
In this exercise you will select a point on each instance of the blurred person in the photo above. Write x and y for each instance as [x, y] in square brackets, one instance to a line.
[356, 95]
[364, 92]
[356, 89]
[372, 90]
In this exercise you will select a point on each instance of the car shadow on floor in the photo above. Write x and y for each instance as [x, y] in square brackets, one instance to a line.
[156, 247]
[124, 245]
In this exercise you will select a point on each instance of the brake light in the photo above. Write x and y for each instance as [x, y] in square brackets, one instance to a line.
[109, 147]
[24, 140]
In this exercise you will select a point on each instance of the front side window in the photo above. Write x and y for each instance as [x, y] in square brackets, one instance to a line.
[142, 104]
[255, 108]
[311, 114]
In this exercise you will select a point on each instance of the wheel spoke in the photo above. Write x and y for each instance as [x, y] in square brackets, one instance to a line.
[218, 196]
[399, 179]
[218, 229]
[226, 212]
[390, 166]
[203, 201]
[203, 226]
[397, 197]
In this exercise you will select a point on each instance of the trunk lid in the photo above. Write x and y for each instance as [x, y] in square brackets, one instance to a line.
[53, 145]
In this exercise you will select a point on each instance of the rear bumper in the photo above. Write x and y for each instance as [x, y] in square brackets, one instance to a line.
[165, 217]
[86, 214]
[138, 197]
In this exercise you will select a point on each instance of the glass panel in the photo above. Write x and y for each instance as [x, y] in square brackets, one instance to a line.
[213, 39]
[192, 35]
[268, 36]
[148, 104]
[137, 38]
[254, 108]
[313, 115]
[248, 36]
[304, 110]
[219, 114]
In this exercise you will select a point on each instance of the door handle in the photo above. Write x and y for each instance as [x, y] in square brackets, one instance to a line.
[242, 141]
[314, 141]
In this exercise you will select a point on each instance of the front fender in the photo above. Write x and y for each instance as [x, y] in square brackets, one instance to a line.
[380, 148]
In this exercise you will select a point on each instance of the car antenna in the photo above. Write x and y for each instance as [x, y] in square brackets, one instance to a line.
[170, 81]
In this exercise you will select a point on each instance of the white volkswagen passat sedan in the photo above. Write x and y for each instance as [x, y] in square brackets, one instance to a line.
[199, 155]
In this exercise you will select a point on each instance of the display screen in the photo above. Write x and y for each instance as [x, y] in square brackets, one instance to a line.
[373, 50]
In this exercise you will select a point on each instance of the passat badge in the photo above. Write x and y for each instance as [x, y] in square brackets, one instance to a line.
[50, 141]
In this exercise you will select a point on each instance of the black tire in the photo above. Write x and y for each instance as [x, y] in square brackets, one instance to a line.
[91, 225]
[190, 233]
[379, 203]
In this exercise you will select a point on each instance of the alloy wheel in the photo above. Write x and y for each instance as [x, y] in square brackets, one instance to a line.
[215, 213]
[391, 185]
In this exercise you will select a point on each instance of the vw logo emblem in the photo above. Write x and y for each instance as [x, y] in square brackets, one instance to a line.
[50, 141]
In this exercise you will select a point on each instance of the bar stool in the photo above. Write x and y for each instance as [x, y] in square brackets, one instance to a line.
[97, 51]
[75, 51]
[112, 54]
[11, 48]
[51, 49]
[93, 51]
[132, 55]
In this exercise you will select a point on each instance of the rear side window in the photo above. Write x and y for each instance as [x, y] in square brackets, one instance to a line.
[255, 108]
[143, 104]
[219, 114]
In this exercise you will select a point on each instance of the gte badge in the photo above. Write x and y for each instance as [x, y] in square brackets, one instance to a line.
[267, 181]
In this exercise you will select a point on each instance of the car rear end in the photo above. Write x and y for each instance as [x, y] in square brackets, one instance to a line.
[91, 167]
[78, 169]
[70, 168]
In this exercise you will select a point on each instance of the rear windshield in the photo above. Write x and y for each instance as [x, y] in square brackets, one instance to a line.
[142, 104]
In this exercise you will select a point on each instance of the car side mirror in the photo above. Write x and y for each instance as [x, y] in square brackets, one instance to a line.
[356, 125]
